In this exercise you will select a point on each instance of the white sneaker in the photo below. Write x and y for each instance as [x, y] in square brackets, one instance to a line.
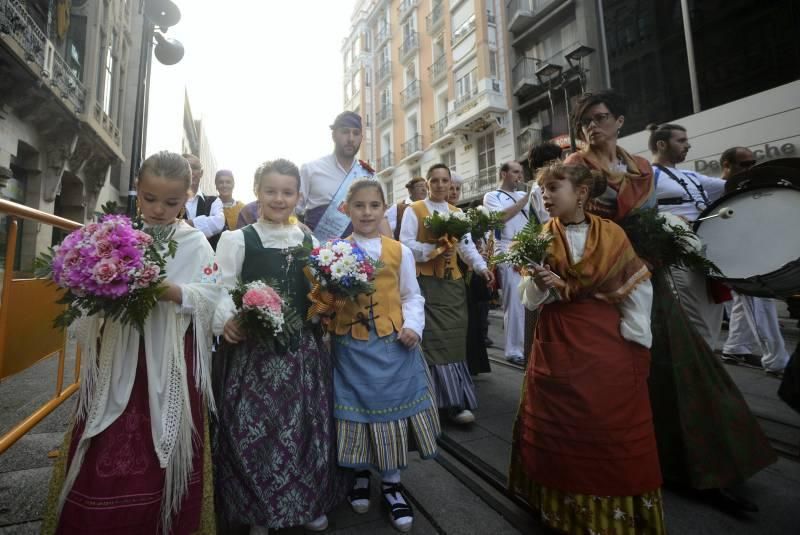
[464, 417]
[318, 524]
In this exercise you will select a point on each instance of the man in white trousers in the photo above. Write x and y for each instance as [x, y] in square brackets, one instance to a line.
[753, 321]
[514, 205]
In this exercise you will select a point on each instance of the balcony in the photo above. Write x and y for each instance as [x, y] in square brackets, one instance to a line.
[413, 147]
[382, 35]
[405, 8]
[523, 14]
[438, 71]
[523, 77]
[37, 49]
[383, 72]
[478, 108]
[462, 31]
[410, 94]
[439, 133]
[409, 46]
[435, 18]
[384, 114]
[475, 187]
[528, 138]
[385, 162]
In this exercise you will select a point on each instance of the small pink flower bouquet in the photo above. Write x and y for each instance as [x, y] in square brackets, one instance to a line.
[263, 313]
[109, 267]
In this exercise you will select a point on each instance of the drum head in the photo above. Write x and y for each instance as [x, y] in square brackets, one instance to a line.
[761, 236]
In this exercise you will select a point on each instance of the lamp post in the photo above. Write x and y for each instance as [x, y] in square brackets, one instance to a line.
[159, 16]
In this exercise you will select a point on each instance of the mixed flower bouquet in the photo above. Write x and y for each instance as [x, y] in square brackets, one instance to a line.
[113, 267]
[340, 270]
[483, 221]
[664, 240]
[264, 314]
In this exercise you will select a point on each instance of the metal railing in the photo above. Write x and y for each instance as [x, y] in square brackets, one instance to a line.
[468, 95]
[386, 161]
[412, 145]
[464, 30]
[410, 44]
[17, 22]
[383, 33]
[384, 71]
[438, 128]
[474, 186]
[438, 69]
[27, 309]
[384, 114]
[406, 6]
[525, 69]
[435, 18]
[410, 94]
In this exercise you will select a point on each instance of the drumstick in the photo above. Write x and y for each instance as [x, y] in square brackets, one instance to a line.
[724, 213]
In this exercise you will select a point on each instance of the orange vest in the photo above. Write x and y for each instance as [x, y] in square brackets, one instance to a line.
[386, 305]
[435, 267]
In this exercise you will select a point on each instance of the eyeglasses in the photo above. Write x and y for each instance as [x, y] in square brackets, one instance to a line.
[597, 118]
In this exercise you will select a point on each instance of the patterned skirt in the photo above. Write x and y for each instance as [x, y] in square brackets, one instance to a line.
[454, 387]
[582, 514]
[382, 390]
[707, 437]
[120, 484]
[274, 442]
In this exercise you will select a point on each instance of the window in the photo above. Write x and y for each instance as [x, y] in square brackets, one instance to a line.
[76, 45]
[388, 187]
[100, 71]
[449, 159]
[108, 75]
[465, 85]
[486, 163]
[493, 64]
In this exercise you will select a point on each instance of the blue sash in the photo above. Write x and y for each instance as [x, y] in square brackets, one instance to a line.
[334, 222]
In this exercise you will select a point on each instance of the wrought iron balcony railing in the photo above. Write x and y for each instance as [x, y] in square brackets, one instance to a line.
[438, 69]
[412, 145]
[410, 94]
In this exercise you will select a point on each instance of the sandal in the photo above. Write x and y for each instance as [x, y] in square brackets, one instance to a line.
[401, 514]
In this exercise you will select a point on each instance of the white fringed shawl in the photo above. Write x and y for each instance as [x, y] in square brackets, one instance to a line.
[107, 379]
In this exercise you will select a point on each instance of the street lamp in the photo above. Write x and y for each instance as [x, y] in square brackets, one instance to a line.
[547, 72]
[575, 59]
[161, 14]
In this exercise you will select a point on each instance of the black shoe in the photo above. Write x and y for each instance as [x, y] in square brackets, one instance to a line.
[401, 514]
[359, 497]
[727, 501]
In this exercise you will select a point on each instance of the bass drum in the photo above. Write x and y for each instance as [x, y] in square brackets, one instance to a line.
[755, 239]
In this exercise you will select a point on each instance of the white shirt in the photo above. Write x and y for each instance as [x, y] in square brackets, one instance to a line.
[210, 224]
[230, 257]
[413, 303]
[667, 188]
[391, 213]
[634, 309]
[422, 251]
[536, 204]
[501, 200]
[319, 182]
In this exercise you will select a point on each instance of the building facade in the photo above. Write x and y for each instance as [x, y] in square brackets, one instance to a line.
[556, 55]
[67, 97]
[745, 89]
[194, 140]
[430, 79]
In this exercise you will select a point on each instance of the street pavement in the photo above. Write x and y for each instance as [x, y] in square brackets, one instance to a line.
[449, 497]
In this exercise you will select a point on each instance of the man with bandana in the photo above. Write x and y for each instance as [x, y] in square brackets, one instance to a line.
[327, 179]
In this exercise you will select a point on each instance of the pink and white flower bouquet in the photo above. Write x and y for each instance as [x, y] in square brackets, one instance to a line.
[264, 314]
[109, 267]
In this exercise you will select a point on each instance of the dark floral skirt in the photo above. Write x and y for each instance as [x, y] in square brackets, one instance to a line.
[274, 441]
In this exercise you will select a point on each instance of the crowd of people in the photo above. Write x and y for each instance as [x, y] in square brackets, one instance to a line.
[195, 425]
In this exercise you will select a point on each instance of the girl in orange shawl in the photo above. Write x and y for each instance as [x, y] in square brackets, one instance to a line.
[584, 452]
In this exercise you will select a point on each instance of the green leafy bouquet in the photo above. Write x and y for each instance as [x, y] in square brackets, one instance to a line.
[483, 221]
[448, 225]
[528, 248]
[663, 240]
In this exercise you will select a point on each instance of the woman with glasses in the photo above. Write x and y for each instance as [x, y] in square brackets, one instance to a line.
[708, 440]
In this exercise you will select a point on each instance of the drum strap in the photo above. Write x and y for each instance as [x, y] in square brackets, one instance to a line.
[685, 187]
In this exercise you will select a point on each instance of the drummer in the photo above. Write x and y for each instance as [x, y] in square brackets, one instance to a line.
[753, 320]
[686, 194]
